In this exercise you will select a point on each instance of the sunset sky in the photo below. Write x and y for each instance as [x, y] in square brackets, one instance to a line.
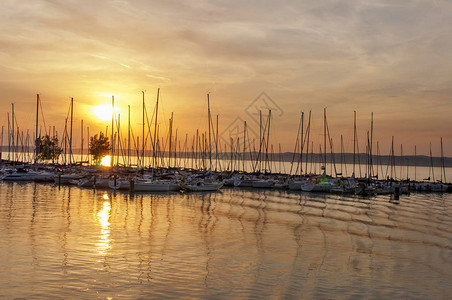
[392, 58]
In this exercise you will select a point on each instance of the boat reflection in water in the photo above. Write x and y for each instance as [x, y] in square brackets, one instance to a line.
[237, 243]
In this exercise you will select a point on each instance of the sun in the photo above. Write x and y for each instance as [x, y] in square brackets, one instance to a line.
[106, 161]
[103, 112]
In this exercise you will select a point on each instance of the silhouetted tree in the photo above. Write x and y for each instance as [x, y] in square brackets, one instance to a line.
[48, 148]
[99, 146]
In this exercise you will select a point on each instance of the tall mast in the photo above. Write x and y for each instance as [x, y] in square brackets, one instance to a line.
[36, 128]
[9, 137]
[401, 160]
[170, 140]
[442, 163]
[175, 150]
[12, 132]
[155, 129]
[280, 159]
[232, 153]
[244, 146]
[185, 150]
[196, 149]
[81, 142]
[208, 120]
[312, 158]
[379, 161]
[142, 151]
[128, 138]
[65, 140]
[308, 132]
[87, 134]
[324, 136]
[112, 130]
[260, 140]
[118, 138]
[431, 163]
[267, 163]
[70, 137]
[342, 152]
[301, 144]
[216, 147]
[371, 144]
[1, 146]
[368, 156]
[415, 155]
[392, 159]
[354, 140]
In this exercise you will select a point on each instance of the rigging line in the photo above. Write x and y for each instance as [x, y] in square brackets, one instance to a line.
[357, 151]
[295, 149]
[261, 144]
[331, 147]
[120, 144]
[387, 165]
[64, 135]
[43, 119]
[149, 127]
[308, 133]
[136, 147]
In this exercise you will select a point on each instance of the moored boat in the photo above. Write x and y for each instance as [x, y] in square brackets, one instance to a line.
[149, 185]
[201, 186]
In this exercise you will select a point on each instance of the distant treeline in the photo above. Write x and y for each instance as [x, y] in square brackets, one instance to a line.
[362, 158]
[347, 158]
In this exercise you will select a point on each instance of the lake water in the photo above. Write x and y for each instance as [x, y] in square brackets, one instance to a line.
[81, 243]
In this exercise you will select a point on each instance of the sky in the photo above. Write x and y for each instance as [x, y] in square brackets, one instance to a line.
[392, 58]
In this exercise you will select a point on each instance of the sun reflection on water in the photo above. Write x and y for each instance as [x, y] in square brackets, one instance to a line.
[104, 220]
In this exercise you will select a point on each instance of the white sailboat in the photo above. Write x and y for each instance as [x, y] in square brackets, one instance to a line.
[263, 183]
[202, 186]
[149, 185]
[65, 178]
[119, 184]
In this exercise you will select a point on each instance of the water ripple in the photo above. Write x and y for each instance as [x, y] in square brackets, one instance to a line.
[238, 243]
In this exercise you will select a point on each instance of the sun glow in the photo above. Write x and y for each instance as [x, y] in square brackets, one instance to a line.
[103, 112]
[106, 161]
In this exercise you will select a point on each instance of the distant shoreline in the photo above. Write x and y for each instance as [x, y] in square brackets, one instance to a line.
[347, 158]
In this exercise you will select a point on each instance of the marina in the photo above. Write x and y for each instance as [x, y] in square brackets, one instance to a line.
[206, 167]
[164, 180]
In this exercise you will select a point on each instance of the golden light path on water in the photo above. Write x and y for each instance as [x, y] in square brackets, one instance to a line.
[103, 216]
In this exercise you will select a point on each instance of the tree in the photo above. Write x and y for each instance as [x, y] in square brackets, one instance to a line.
[99, 146]
[48, 148]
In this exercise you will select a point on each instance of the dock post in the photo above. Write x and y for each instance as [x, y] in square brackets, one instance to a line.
[132, 185]
[396, 192]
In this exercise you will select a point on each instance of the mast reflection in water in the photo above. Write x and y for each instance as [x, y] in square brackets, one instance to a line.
[80, 243]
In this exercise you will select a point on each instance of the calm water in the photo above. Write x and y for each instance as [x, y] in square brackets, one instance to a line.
[80, 243]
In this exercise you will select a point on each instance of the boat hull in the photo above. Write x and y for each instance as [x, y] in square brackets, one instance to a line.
[208, 187]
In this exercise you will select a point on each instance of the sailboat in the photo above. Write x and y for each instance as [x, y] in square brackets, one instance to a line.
[119, 184]
[321, 183]
[202, 186]
[426, 185]
[347, 186]
[150, 185]
[440, 186]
